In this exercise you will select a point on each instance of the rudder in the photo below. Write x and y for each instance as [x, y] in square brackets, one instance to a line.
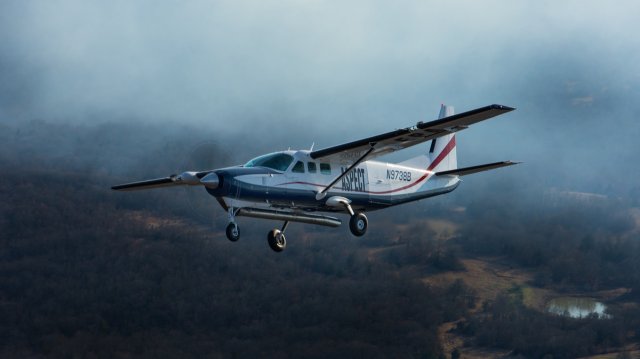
[442, 152]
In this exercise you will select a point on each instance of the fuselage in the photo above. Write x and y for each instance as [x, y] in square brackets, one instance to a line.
[291, 180]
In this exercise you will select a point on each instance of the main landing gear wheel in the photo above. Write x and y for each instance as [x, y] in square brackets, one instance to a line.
[358, 224]
[276, 240]
[233, 232]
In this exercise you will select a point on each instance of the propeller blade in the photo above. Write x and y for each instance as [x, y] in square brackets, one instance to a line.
[153, 183]
[185, 178]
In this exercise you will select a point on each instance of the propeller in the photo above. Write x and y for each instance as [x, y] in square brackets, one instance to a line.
[205, 155]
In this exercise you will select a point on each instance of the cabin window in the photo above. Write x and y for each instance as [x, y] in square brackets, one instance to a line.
[311, 167]
[276, 161]
[298, 167]
[325, 168]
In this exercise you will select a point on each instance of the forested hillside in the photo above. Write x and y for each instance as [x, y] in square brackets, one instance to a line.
[88, 272]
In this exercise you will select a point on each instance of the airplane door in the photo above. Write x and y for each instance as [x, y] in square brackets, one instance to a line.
[296, 176]
[379, 184]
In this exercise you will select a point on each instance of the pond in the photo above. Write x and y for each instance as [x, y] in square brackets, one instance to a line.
[577, 307]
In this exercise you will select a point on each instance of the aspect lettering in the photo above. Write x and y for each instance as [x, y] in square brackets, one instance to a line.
[355, 180]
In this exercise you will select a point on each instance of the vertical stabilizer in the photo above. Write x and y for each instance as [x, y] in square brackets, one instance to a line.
[442, 152]
[441, 155]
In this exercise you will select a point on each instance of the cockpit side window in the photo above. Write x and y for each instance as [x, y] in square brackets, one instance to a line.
[311, 167]
[325, 168]
[276, 161]
[298, 167]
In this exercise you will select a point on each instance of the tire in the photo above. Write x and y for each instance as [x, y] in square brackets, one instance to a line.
[358, 224]
[277, 240]
[233, 232]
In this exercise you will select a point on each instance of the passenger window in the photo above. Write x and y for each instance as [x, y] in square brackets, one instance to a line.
[325, 168]
[298, 167]
[311, 167]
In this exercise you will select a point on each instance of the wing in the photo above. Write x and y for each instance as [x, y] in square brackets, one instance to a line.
[410, 136]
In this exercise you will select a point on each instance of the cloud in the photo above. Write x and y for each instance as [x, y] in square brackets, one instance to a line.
[582, 101]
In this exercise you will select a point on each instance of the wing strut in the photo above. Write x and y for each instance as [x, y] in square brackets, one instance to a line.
[323, 193]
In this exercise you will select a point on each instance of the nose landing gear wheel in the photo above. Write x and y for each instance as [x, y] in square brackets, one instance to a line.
[233, 232]
[276, 240]
[358, 224]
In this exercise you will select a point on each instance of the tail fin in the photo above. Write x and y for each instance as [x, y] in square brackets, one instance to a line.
[442, 152]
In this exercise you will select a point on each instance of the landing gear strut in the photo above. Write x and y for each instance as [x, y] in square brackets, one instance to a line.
[233, 231]
[276, 238]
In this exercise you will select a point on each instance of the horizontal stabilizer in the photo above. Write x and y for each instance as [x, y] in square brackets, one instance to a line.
[475, 169]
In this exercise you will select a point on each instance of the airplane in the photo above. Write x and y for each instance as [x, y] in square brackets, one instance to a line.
[299, 186]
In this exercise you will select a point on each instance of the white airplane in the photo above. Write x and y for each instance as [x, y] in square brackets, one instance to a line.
[293, 186]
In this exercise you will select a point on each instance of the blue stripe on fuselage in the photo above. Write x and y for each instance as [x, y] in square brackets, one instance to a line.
[284, 197]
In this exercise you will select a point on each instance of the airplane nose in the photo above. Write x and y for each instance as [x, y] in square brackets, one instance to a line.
[211, 180]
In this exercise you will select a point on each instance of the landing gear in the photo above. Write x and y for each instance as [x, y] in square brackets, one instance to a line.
[233, 232]
[276, 238]
[358, 224]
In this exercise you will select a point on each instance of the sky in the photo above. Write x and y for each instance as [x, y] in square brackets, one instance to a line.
[297, 72]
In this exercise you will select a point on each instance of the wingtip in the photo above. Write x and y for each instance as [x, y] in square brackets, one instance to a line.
[503, 107]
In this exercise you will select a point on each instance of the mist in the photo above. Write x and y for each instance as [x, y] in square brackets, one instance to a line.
[289, 74]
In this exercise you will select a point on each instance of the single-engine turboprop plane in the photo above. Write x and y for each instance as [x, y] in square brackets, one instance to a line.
[293, 186]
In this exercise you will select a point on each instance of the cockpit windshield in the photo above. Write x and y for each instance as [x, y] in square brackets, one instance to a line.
[276, 161]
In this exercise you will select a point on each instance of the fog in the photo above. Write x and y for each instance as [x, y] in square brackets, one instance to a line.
[288, 74]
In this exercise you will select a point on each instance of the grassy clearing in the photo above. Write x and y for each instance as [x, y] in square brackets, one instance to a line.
[485, 275]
